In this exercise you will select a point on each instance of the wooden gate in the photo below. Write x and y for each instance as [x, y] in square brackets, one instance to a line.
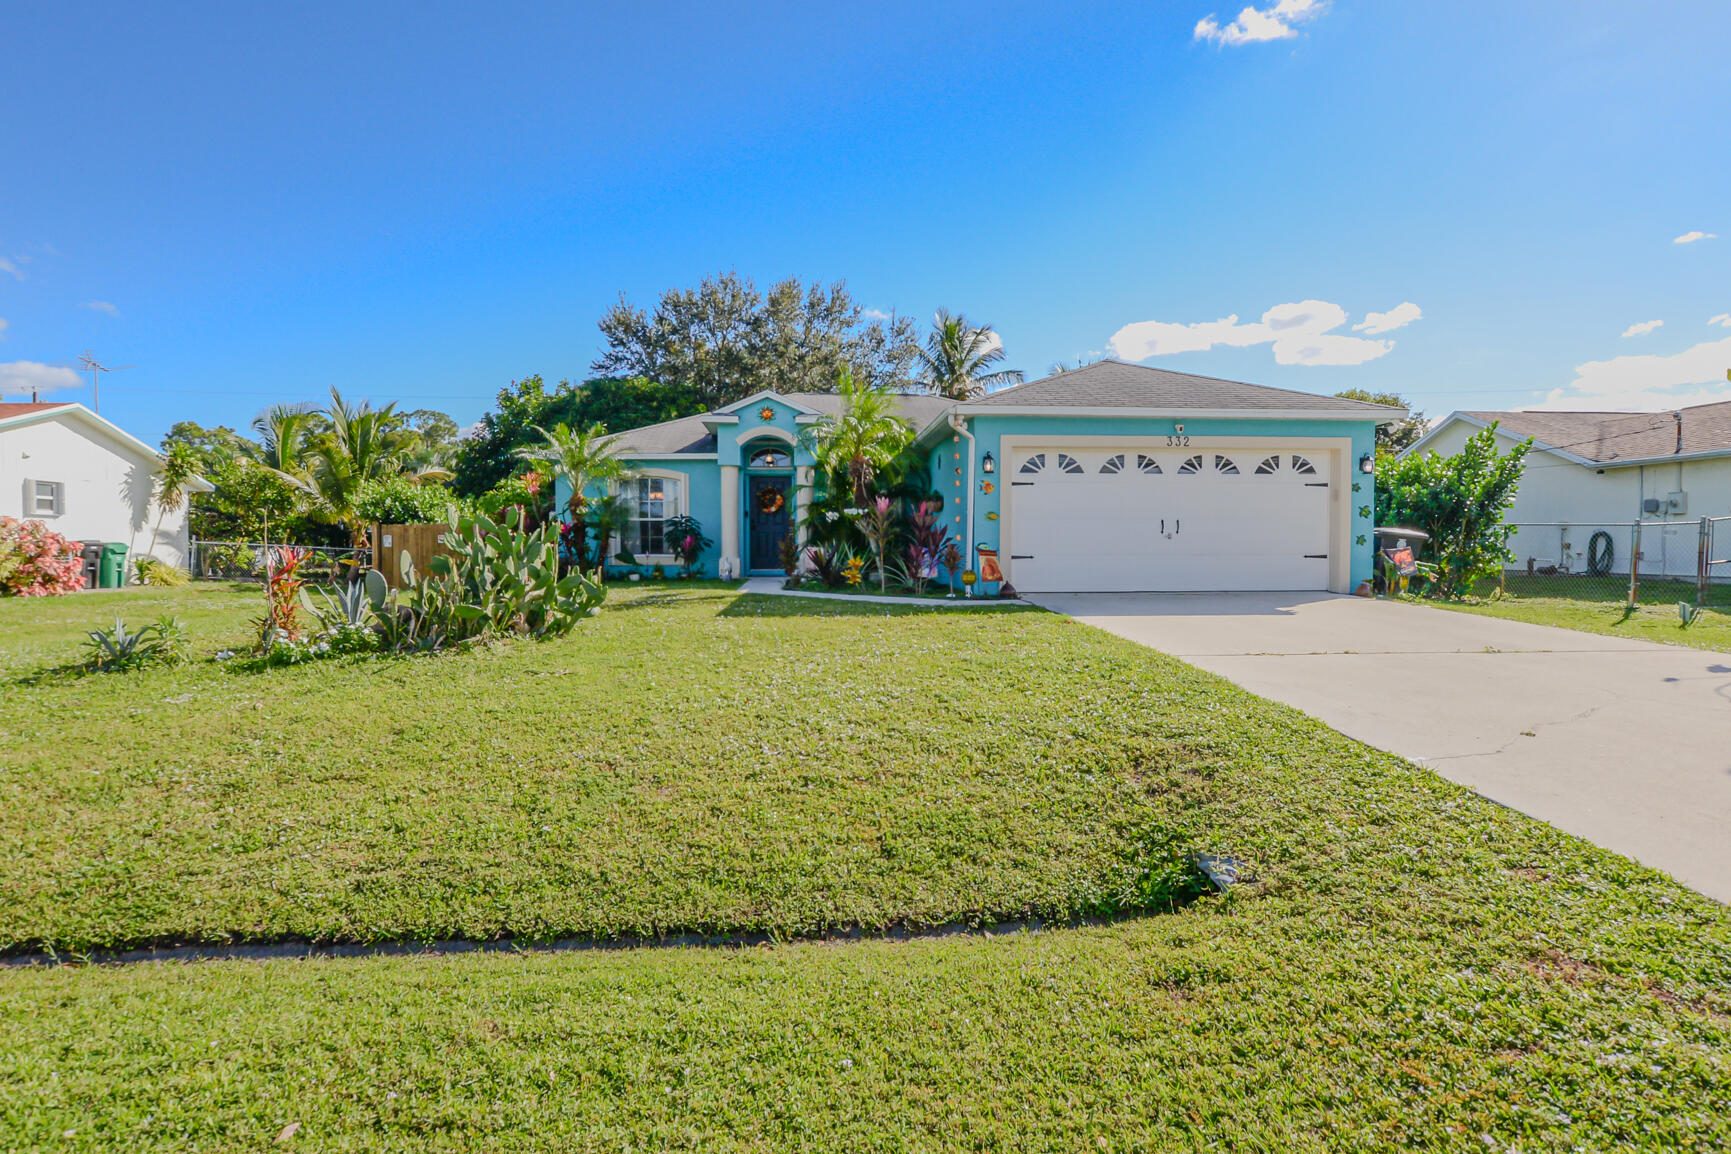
[420, 542]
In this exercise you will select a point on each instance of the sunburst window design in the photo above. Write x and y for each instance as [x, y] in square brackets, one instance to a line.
[1300, 465]
[1032, 465]
[1269, 465]
[1113, 464]
[1224, 464]
[1191, 465]
[1069, 464]
[1147, 464]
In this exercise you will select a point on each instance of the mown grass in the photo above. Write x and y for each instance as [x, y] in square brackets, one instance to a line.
[1417, 969]
[1595, 605]
[686, 762]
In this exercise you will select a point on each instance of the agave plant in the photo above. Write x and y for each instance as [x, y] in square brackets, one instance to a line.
[162, 641]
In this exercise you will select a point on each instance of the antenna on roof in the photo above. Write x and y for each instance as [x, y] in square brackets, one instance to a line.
[96, 371]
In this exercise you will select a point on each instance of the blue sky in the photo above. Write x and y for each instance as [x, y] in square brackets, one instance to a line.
[420, 202]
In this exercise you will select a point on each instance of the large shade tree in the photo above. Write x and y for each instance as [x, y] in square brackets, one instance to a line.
[489, 454]
[958, 359]
[1396, 435]
[725, 340]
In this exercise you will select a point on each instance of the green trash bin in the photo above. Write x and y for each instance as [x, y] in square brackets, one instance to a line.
[112, 573]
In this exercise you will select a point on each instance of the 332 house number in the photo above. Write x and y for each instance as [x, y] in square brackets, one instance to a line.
[1178, 442]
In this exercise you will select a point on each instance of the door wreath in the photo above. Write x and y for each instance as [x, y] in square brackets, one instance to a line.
[770, 501]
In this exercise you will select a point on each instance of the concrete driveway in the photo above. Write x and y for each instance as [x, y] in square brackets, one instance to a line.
[1626, 743]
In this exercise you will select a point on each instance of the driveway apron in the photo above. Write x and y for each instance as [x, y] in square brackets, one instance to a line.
[1626, 743]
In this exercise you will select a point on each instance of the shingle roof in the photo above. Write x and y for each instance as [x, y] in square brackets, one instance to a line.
[1121, 385]
[20, 408]
[687, 435]
[1608, 437]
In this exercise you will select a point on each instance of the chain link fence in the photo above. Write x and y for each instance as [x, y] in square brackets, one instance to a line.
[1620, 562]
[247, 561]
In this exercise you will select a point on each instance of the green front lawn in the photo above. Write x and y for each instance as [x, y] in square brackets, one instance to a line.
[688, 761]
[1417, 968]
[1598, 605]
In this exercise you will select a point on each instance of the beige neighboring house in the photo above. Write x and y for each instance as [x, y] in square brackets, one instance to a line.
[1591, 473]
[88, 479]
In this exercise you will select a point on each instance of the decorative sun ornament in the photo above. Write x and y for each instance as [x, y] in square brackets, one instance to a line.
[766, 414]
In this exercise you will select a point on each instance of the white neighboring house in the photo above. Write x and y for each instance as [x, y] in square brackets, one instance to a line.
[88, 480]
[1598, 472]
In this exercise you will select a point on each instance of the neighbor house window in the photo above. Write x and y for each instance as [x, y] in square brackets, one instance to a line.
[656, 499]
[45, 498]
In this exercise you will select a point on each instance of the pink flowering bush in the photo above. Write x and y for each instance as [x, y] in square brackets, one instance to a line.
[35, 561]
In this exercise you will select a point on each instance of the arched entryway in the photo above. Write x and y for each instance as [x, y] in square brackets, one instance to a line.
[770, 504]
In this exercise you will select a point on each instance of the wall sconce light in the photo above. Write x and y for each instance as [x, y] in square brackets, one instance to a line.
[988, 465]
[1367, 464]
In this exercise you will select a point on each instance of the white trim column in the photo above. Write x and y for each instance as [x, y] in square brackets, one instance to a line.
[804, 486]
[730, 566]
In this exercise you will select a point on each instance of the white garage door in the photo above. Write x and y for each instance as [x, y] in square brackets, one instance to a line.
[1096, 520]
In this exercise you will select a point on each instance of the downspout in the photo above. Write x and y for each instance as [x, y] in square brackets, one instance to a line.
[960, 424]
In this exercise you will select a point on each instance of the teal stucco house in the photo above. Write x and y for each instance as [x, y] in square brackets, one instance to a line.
[1111, 477]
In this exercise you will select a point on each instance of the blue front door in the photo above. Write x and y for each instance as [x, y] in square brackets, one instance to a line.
[769, 513]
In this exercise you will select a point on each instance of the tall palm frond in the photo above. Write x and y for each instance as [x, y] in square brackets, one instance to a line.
[958, 358]
[363, 444]
[580, 457]
[282, 437]
[866, 436]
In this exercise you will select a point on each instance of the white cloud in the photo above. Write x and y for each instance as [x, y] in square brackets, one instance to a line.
[1692, 237]
[1695, 376]
[1399, 316]
[33, 376]
[13, 265]
[1641, 328]
[1723, 320]
[874, 314]
[100, 307]
[1258, 25]
[1302, 333]
[4, 325]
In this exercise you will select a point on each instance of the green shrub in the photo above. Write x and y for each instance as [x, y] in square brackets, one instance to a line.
[398, 500]
[1460, 501]
[153, 571]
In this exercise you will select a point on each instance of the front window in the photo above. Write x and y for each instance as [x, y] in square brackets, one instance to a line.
[44, 498]
[655, 499]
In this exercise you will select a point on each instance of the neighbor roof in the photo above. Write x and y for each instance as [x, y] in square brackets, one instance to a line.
[10, 409]
[689, 436]
[1121, 385]
[21, 414]
[1618, 438]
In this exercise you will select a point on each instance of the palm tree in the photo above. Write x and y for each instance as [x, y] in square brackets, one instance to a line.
[363, 444]
[958, 358]
[866, 436]
[282, 436]
[582, 458]
[179, 467]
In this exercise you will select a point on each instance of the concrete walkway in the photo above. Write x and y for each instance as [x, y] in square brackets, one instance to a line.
[771, 587]
[1626, 743]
